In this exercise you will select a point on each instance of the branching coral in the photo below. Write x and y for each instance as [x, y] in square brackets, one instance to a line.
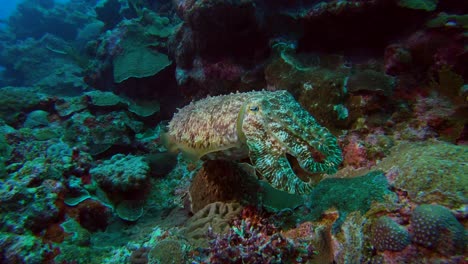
[253, 239]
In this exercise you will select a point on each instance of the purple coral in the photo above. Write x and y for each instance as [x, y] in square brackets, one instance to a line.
[435, 227]
[255, 240]
[388, 235]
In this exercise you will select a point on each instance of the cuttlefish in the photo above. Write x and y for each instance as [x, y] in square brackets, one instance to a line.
[285, 144]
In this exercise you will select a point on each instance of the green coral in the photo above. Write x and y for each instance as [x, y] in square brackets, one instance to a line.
[102, 99]
[427, 5]
[122, 173]
[447, 20]
[348, 195]
[5, 151]
[14, 101]
[129, 210]
[145, 37]
[37, 118]
[142, 108]
[78, 235]
[139, 62]
[77, 197]
[371, 80]
[430, 172]
[25, 248]
[101, 131]
[318, 82]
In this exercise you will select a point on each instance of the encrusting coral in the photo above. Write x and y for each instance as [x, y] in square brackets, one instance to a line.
[269, 127]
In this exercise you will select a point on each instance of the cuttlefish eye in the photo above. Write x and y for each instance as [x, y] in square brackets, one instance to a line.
[253, 108]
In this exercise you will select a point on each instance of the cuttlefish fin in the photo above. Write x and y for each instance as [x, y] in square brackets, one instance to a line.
[172, 146]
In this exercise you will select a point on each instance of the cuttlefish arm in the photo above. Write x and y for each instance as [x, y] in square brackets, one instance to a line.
[275, 126]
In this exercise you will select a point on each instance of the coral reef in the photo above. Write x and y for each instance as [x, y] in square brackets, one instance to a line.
[138, 56]
[139, 256]
[319, 83]
[49, 62]
[100, 133]
[86, 87]
[209, 49]
[15, 100]
[23, 249]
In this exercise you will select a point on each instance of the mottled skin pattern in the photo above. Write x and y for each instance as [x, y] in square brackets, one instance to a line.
[265, 126]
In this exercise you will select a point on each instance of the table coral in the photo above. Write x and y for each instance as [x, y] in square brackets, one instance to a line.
[268, 127]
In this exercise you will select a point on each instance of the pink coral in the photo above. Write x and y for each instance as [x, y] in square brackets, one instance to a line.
[253, 239]
[354, 152]
[397, 59]
[222, 70]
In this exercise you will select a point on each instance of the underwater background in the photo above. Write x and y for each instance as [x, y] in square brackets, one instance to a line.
[239, 131]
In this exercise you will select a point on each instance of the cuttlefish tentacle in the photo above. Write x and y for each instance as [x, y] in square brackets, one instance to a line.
[269, 127]
[301, 134]
[268, 157]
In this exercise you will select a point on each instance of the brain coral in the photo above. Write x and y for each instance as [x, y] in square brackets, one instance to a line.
[215, 216]
[435, 227]
[122, 173]
[388, 235]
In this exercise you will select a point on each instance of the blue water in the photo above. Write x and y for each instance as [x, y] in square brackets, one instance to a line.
[8, 6]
